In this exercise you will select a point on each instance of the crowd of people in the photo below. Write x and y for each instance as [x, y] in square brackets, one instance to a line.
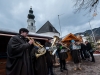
[81, 51]
[23, 56]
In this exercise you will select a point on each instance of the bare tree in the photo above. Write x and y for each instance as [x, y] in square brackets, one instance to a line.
[90, 5]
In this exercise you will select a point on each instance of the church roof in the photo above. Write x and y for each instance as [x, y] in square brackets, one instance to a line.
[47, 27]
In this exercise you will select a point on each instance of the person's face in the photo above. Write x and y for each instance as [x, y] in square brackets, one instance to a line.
[64, 45]
[49, 40]
[24, 34]
[78, 43]
[59, 42]
[86, 42]
[73, 42]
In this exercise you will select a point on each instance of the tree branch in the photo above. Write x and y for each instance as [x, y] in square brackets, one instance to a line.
[90, 5]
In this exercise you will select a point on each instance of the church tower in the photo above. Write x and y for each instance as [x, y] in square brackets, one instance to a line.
[31, 22]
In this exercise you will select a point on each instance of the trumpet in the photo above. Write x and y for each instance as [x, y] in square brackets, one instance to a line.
[41, 50]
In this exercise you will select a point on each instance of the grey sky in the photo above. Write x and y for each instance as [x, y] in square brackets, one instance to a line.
[13, 15]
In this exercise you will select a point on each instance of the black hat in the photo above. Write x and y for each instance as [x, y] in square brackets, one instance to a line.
[23, 30]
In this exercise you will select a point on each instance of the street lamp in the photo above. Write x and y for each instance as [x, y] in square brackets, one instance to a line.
[60, 25]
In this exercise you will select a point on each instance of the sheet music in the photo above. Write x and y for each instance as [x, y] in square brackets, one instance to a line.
[47, 47]
[54, 51]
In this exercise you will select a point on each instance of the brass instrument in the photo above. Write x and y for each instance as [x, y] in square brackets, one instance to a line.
[53, 46]
[41, 50]
[56, 38]
[65, 45]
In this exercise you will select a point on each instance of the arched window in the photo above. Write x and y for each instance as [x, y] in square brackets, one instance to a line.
[31, 24]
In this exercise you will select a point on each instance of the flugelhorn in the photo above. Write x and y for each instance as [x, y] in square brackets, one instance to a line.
[41, 50]
[35, 42]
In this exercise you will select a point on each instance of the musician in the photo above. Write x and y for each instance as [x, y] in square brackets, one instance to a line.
[18, 54]
[49, 57]
[75, 49]
[62, 53]
[40, 65]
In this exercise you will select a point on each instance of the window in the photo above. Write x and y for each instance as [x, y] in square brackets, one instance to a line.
[31, 24]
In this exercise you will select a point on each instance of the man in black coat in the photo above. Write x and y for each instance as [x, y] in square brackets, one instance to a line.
[49, 57]
[40, 65]
[62, 53]
[83, 51]
[90, 50]
[18, 54]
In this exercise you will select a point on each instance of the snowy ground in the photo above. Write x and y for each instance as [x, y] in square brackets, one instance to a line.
[88, 68]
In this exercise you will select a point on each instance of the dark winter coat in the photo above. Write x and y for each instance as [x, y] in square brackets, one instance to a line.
[49, 57]
[88, 47]
[62, 52]
[58, 49]
[83, 47]
[40, 65]
[18, 57]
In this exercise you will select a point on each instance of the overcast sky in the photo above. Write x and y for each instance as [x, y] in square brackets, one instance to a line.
[13, 15]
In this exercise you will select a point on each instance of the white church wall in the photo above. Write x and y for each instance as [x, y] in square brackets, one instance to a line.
[31, 27]
[51, 34]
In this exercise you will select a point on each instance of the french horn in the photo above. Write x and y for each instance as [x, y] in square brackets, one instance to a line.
[41, 50]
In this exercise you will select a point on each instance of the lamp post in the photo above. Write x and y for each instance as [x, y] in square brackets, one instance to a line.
[60, 25]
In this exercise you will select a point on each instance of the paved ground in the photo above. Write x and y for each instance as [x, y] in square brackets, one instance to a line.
[88, 68]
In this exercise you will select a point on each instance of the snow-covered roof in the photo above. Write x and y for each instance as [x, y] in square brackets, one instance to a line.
[2, 31]
[31, 33]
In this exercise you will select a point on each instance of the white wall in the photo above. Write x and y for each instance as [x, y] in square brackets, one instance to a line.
[51, 34]
[31, 28]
